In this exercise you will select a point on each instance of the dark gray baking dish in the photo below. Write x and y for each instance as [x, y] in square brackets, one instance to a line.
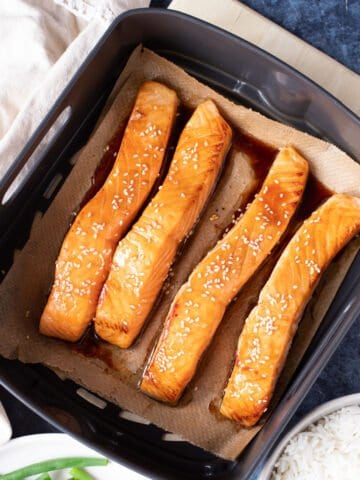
[246, 75]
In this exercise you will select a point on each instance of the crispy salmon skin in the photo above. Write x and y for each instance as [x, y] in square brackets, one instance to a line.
[200, 304]
[85, 257]
[271, 325]
[143, 258]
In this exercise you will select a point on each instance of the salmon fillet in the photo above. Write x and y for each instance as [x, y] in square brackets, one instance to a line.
[271, 325]
[200, 304]
[143, 258]
[85, 256]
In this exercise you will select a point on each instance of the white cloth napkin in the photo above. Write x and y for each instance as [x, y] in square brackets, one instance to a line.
[43, 43]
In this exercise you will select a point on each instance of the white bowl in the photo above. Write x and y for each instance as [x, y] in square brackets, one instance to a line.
[310, 418]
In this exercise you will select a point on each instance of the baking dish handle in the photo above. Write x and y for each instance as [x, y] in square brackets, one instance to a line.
[35, 152]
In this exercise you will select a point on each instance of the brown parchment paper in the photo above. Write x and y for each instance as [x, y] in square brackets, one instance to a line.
[24, 291]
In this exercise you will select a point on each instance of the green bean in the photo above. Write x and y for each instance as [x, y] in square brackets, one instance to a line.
[80, 474]
[55, 464]
[44, 476]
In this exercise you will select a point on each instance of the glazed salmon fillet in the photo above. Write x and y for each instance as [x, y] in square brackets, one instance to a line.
[86, 253]
[271, 325]
[200, 304]
[143, 258]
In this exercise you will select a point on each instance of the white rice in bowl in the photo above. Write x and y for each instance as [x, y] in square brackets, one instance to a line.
[329, 449]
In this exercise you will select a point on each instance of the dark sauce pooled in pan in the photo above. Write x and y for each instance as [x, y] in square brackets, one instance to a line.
[105, 165]
[261, 154]
[315, 194]
[261, 157]
[92, 346]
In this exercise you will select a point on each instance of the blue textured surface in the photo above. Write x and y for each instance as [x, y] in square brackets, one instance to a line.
[340, 377]
[333, 26]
